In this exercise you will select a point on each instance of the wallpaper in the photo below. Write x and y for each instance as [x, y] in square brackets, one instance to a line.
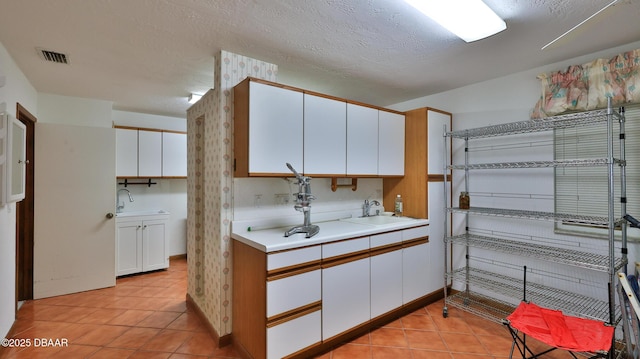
[210, 187]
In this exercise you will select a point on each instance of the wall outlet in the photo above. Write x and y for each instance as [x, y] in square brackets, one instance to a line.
[257, 200]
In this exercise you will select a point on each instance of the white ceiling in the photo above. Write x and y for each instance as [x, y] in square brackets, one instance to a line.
[148, 55]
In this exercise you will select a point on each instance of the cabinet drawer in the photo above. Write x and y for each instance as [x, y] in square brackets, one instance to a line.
[413, 233]
[293, 257]
[345, 247]
[292, 292]
[294, 335]
[386, 239]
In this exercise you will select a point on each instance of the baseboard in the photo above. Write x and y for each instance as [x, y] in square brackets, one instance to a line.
[221, 341]
[178, 256]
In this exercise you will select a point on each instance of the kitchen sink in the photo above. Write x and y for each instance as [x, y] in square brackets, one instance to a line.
[377, 220]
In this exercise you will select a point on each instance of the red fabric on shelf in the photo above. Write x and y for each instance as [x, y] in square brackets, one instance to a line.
[561, 331]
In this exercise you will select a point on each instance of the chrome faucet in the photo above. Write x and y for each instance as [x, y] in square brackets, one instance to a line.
[366, 208]
[119, 207]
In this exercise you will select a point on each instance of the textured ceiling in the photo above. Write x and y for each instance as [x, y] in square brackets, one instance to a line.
[148, 55]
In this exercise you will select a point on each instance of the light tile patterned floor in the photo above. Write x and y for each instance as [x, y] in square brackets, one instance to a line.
[145, 316]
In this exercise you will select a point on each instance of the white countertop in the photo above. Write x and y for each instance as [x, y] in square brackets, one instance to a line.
[149, 214]
[273, 239]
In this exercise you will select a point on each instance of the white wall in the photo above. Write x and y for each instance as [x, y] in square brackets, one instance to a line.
[16, 88]
[144, 120]
[168, 194]
[509, 99]
[66, 110]
[261, 199]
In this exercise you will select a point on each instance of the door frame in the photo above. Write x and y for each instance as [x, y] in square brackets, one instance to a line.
[25, 215]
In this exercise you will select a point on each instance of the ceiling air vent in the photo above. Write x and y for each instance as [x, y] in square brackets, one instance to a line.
[53, 56]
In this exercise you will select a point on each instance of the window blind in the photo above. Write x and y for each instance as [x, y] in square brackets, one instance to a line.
[584, 190]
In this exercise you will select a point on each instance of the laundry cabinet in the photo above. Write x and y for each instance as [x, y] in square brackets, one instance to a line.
[141, 242]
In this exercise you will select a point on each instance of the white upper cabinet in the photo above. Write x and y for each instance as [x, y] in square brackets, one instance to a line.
[268, 122]
[319, 135]
[149, 153]
[390, 144]
[275, 129]
[325, 136]
[174, 154]
[362, 140]
[126, 152]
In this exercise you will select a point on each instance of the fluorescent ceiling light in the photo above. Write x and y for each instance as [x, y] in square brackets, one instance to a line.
[470, 20]
[193, 98]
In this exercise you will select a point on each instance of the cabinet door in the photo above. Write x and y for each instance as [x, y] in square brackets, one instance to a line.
[154, 245]
[325, 136]
[149, 153]
[275, 129]
[386, 272]
[386, 282]
[293, 292]
[415, 269]
[174, 154]
[390, 144]
[294, 335]
[346, 297]
[126, 152]
[435, 277]
[362, 140]
[129, 248]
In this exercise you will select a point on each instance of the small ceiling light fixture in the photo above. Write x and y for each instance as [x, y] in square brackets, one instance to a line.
[470, 20]
[193, 98]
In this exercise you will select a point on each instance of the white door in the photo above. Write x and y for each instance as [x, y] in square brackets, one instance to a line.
[74, 244]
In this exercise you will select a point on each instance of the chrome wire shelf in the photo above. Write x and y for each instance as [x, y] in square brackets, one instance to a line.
[538, 215]
[592, 162]
[480, 305]
[560, 255]
[554, 298]
[536, 125]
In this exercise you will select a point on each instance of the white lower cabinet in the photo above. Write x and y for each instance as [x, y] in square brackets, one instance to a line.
[309, 297]
[294, 306]
[386, 273]
[346, 290]
[293, 335]
[415, 264]
[155, 249]
[141, 245]
[129, 248]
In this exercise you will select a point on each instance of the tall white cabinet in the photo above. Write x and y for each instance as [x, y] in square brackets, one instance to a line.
[421, 189]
